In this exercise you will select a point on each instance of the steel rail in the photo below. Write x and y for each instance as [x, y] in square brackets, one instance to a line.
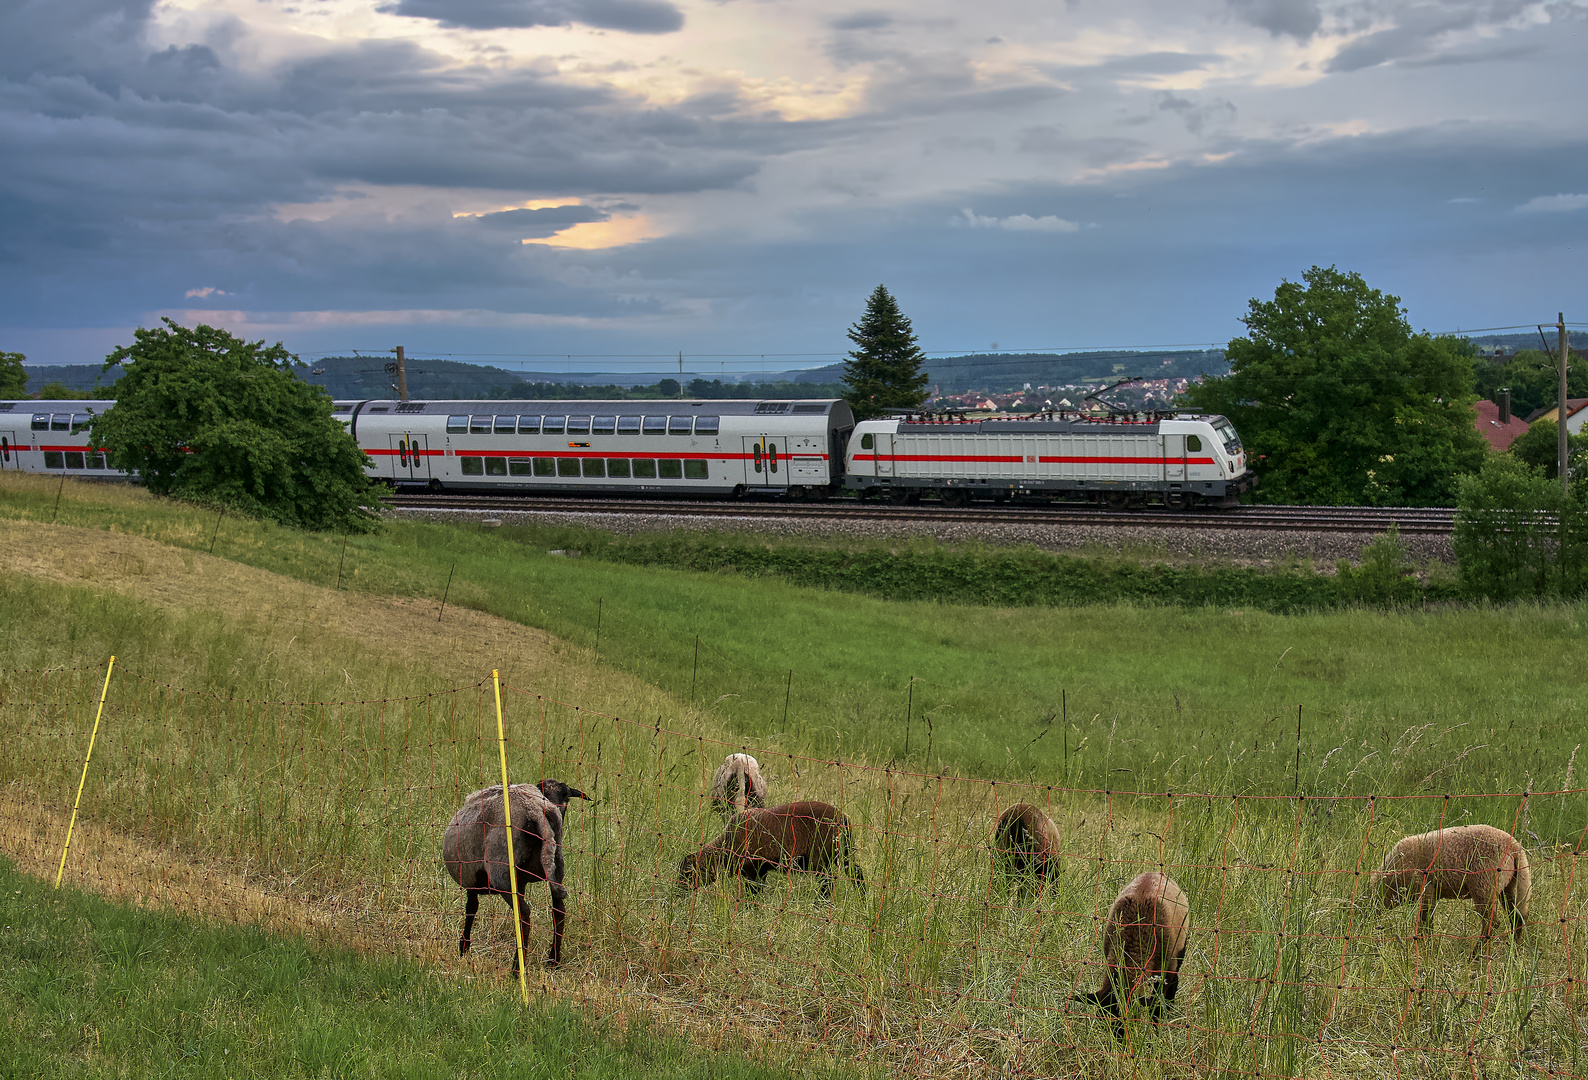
[1273, 518]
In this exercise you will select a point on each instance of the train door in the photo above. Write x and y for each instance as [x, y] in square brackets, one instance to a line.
[882, 454]
[411, 460]
[766, 461]
[1174, 458]
[8, 451]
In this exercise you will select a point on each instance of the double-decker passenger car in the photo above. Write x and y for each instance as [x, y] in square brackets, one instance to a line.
[1116, 461]
[792, 448]
[52, 436]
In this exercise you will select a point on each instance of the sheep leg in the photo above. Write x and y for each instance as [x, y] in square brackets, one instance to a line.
[518, 904]
[470, 906]
[559, 914]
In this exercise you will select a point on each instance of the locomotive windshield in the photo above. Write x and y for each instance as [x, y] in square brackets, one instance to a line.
[1232, 441]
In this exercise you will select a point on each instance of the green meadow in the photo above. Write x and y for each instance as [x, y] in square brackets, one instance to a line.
[1265, 761]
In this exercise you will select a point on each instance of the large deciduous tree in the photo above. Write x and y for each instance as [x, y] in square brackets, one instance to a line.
[1339, 403]
[884, 370]
[203, 415]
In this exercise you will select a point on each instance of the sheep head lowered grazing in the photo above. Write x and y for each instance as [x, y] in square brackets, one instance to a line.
[1466, 862]
[737, 785]
[1026, 844]
[1144, 938]
[475, 852]
[558, 793]
[799, 837]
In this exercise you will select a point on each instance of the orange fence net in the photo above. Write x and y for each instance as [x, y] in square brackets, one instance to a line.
[326, 818]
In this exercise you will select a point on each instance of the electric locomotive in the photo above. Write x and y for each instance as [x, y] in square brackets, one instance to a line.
[1176, 460]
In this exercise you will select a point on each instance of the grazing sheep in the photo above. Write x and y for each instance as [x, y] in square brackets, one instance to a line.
[1026, 844]
[475, 851]
[1145, 937]
[1465, 862]
[737, 785]
[802, 837]
[558, 793]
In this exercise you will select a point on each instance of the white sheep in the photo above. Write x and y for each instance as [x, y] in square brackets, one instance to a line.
[737, 785]
[1465, 862]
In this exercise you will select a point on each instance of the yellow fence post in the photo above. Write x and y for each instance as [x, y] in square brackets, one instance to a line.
[507, 818]
[91, 737]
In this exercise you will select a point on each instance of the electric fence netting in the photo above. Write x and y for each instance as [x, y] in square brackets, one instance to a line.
[325, 818]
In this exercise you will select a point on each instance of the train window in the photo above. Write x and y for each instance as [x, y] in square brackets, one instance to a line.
[707, 425]
[479, 425]
[553, 425]
[529, 425]
[695, 470]
[80, 422]
[656, 425]
[41, 421]
[679, 425]
[457, 425]
[545, 466]
[96, 460]
[868, 441]
[74, 459]
[495, 466]
[1193, 444]
[670, 469]
[471, 466]
[603, 425]
[61, 421]
[519, 466]
[567, 466]
[644, 469]
[52, 459]
[578, 425]
[628, 425]
[506, 425]
[618, 467]
[594, 466]
[1232, 441]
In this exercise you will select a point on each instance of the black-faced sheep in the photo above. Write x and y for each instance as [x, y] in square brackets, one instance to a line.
[737, 785]
[800, 837]
[475, 851]
[1144, 938]
[1465, 862]
[1026, 844]
[558, 793]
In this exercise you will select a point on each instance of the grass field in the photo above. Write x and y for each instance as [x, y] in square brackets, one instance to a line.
[325, 819]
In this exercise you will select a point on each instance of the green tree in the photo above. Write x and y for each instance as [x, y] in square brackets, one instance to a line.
[1517, 536]
[1539, 447]
[203, 415]
[1533, 377]
[59, 391]
[13, 376]
[1338, 402]
[884, 370]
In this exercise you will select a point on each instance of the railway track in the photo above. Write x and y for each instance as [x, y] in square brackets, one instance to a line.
[1291, 518]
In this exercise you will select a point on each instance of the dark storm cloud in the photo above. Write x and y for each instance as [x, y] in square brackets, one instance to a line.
[632, 16]
[1299, 18]
[863, 20]
[548, 218]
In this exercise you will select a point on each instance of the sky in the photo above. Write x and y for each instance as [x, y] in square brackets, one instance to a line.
[603, 184]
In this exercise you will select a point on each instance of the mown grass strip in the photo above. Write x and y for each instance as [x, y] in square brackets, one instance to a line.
[93, 988]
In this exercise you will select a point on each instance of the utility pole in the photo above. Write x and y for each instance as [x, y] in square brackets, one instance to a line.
[402, 374]
[1560, 429]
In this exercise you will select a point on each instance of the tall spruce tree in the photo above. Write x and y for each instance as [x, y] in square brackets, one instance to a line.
[884, 370]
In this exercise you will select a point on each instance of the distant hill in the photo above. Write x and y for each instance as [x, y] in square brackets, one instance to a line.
[1000, 372]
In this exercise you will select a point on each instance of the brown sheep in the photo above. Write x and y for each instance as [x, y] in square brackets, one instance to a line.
[1026, 844]
[1144, 938]
[799, 837]
[1465, 862]
[475, 852]
[737, 785]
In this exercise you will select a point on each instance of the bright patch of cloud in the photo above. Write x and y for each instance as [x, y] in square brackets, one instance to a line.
[206, 292]
[1553, 204]
[594, 235]
[1015, 222]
